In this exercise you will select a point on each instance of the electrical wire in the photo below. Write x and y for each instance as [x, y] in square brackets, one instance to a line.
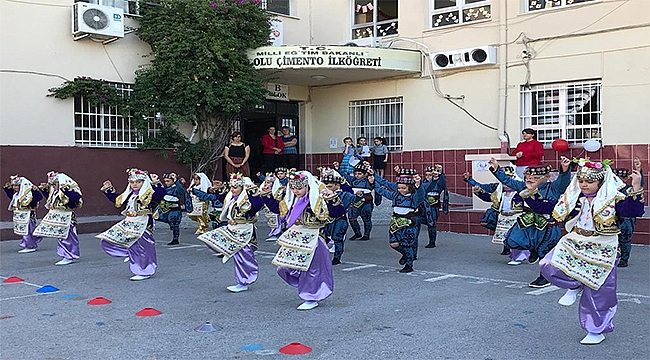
[33, 73]
[112, 63]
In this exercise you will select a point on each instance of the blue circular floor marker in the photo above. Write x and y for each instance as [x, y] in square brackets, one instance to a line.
[70, 296]
[252, 347]
[47, 289]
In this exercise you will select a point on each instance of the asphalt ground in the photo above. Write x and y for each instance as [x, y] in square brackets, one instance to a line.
[462, 302]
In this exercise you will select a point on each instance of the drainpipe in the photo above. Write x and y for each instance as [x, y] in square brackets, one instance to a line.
[503, 77]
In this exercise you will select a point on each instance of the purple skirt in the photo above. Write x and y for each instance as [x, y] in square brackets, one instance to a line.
[315, 284]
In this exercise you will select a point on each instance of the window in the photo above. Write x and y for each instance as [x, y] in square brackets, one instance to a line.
[131, 7]
[277, 6]
[374, 18]
[380, 117]
[534, 5]
[104, 126]
[455, 12]
[569, 111]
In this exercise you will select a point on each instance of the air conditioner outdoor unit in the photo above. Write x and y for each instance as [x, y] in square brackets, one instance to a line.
[367, 42]
[91, 19]
[453, 59]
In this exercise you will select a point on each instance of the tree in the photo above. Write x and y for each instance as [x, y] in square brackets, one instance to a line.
[199, 73]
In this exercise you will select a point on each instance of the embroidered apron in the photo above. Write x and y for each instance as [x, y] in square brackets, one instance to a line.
[126, 232]
[297, 246]
[56, 224]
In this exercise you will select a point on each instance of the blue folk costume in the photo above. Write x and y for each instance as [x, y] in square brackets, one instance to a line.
[132, 237]
[337, 227]
[363, 206]
[303, 258]
[507, 206]
[626, 224]
[436, 197]
[403, 223]
[238, 239]
[535, 232]
[24, 203]
[584, 260]
[170, 210]
[63, 198]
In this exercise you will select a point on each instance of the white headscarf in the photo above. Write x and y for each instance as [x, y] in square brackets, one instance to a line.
[205, 183]
[243, 196]
[499, 190]
[318, 206]
[24, 195]
[145, 192]
[64, 181]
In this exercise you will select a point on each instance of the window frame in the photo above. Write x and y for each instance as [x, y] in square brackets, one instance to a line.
[370, 128]
[460, 7]
[126, 6]
[574, 133]
[525, 4]
[264, 5]
[375, 23]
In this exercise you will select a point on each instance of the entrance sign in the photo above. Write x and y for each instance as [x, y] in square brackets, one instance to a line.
[277, 92]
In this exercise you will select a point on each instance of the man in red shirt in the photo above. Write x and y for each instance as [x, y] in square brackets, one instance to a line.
[529, 152]
[272, 146]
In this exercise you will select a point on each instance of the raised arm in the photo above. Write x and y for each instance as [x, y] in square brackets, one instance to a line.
[381, 182]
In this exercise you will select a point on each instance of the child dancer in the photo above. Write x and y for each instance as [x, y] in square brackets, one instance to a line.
[407, 194]
[626, 224]
[63, 197]
[132, 237]
[535, 232]
[584, 259]
[278, 181]
[349, 156]
[336, 228]
[363, 207]
[24, 201]
[170, 207]
[303, 259]
[237, 240]
[437, 196]
[199, 207]
[508, 206]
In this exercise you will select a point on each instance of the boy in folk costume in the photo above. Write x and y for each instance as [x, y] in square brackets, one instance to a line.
[507, 205]
[170, 209]
[237, 240]
[436, 197]
[626, 224]
[63, 197]
[303, 258]
[278, 180]
[200, 207]
[132, 238]
[24, 201]
[584, 260]
[407, 195]
[363, 207]
[337, 228]
[533, 231]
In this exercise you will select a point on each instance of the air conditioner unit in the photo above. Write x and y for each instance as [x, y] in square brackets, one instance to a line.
[367, 42]
[453, 59]
[91, 19]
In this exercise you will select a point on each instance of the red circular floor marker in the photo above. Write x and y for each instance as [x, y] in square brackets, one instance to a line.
[295, 348]
[13, 279]
[99, 301]
[148, 312]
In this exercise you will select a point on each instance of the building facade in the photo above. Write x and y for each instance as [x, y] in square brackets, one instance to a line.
[439, 79]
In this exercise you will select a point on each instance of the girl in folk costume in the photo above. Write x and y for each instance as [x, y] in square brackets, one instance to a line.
[436, 197]
[364, 206]
[626, 224]
[132, 237]
[584, 259]
[24, 201]
[533, 231]
[303, 258]
[63, 197]
[337, 227]
[200, 207]
[507, 205]
[407, 195]
[237, 240]
[278, 181]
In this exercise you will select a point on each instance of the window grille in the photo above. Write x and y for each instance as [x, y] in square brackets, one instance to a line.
[104, 126]
[570, 111]
[535, 5]
[378, 117]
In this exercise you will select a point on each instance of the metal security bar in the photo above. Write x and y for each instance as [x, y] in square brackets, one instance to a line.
[104, 126]
[379, 117]
[570, 111]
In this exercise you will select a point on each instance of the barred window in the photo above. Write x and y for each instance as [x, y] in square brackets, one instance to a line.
[535, 5]
[456, 12]
[277, 6]
[379, 117]
[104, 126]
[570, 111]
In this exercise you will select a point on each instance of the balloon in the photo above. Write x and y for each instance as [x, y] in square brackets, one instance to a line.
[560, 145]
[591, 145]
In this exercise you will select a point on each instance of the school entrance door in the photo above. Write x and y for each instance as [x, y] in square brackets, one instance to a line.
[254, 124]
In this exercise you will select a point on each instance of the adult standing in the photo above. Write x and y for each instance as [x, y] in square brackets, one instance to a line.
[290, 152]
[529, 152]
[272, 147]
[236, 155]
